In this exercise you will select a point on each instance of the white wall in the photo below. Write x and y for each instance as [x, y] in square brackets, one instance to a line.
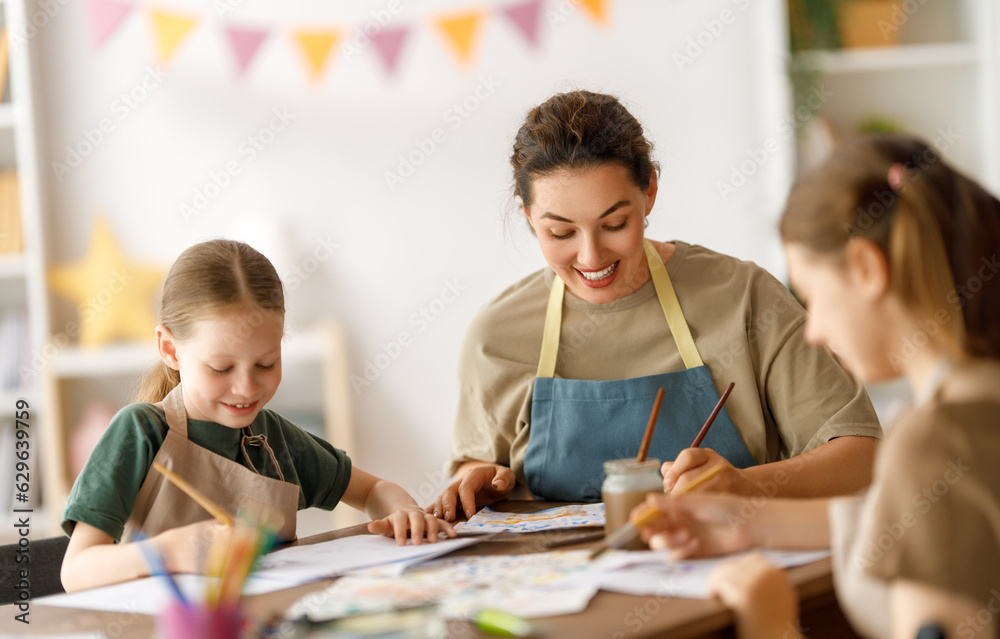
[323, 176]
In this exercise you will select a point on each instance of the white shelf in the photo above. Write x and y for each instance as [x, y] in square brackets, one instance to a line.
[12, 266]
[878, 59]
[7, 116]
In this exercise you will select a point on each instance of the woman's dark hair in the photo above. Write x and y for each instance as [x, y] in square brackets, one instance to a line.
[939, 231]
[579, 129]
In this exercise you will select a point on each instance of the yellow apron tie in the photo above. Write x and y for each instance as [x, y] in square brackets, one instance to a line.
[668, 302]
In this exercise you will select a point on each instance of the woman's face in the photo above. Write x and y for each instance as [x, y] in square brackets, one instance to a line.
[840, 315]
[589, 224]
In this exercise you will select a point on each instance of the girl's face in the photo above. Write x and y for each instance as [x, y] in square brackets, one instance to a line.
[841, 315]
[589, 224]
[230, 366]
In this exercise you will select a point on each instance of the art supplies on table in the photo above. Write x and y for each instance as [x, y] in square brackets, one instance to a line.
[488, 521]
[535, 585]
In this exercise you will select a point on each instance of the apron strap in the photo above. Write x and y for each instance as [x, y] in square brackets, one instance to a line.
[249, 439]
[668, 302]
[553, 327]
[173, 407]
[672, 308]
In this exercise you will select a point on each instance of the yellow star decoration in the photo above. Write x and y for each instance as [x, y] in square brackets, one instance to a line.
[114, 298]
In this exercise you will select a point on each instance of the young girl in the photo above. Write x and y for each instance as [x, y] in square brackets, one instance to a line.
[201, 414]
[897, 256]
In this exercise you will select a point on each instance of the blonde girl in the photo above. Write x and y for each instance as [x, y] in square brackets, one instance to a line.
[897, 257]
[201, 413]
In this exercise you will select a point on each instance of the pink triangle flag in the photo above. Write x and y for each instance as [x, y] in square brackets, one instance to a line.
[104, 17]
[245, 42]
[525, 16]
[388, 43]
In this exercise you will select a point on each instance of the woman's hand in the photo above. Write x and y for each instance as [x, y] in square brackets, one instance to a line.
[696, 526]
[414, 520]
[480, 486]
[184, 549]
[692, 463]
[759, 594]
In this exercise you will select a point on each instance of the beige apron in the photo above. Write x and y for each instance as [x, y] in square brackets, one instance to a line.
[160, 505]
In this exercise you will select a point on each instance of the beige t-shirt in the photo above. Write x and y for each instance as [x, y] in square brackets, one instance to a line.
[937, 490]
[789, 397]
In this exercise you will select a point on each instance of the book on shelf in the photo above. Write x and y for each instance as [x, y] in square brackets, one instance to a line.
[11, 236]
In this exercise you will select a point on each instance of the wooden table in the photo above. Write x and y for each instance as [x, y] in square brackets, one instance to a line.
[611, 615]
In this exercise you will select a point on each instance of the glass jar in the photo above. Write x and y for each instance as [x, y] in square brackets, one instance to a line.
[626, 484]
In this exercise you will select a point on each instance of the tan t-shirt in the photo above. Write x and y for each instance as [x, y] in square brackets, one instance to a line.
[789, 397]
[937, 490]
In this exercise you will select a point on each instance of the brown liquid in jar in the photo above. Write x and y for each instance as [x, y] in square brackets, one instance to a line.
[617, 507]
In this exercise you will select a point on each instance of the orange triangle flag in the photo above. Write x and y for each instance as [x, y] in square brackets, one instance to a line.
[460, 30]
[598, 9]
[316, 46]
[170, 29]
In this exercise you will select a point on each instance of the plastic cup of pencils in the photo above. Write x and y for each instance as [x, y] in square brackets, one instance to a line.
[198, 621]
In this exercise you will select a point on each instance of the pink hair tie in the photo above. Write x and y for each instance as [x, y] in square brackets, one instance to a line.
[895, 176]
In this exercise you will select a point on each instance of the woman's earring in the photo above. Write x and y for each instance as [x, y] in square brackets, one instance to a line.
[645, 222]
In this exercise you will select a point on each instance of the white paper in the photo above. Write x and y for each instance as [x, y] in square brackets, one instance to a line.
[653, 573]
[279, 570]
[488, 520]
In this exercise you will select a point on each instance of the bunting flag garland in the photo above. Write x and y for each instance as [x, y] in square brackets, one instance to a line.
[316, 45]
[104, 17]
[597, 9]
[460, 32]
[525, 18]
[245, 42]
[388, 43]
[170, 29]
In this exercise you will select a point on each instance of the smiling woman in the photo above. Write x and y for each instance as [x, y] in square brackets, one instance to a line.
[558, 373]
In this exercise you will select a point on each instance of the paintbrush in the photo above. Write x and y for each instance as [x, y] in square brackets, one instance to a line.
[648, 436]
[646, 516]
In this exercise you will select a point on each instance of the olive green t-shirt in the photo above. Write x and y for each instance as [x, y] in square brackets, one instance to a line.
[789, 396]
[105, 492]
[937, 490]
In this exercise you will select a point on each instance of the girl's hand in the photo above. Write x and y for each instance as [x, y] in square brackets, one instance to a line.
[413, 519]
[692, 463]
[759, 594]
[696, 526]
[479, 487]
[185, 549]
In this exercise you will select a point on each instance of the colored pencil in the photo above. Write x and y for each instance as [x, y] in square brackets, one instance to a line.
[159, 570]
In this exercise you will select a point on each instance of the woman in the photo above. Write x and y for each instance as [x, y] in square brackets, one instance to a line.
[558, 373]
[897, 256]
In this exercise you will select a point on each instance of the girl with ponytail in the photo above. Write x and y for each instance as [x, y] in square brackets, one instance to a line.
[897, 257]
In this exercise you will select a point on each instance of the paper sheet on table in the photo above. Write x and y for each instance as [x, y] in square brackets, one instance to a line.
[278, 570]
[488, 520]
[653, 573]
[461, 586]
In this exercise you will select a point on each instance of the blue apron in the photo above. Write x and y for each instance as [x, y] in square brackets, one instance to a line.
[577, 425]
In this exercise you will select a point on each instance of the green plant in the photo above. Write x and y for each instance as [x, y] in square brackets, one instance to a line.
[813, 24]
